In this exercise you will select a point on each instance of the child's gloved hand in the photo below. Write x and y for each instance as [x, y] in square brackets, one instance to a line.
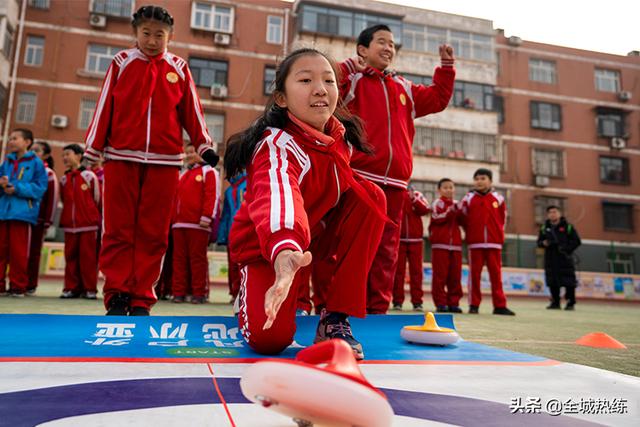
[211, 157]
[287, 263]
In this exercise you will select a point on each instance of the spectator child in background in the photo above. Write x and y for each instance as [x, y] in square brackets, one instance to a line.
[195, 207]
[80, 192]
[446, 250]
[23, 181]
[48, 206]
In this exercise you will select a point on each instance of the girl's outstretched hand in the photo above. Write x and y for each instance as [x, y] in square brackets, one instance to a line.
[287, 263]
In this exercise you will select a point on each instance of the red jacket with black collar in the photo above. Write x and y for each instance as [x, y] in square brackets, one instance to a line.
[388, 104]
[143, 106]
[197, 198]
[415, 207]
[80, 192]
[484, 219]
[444, 227]
[49, 201]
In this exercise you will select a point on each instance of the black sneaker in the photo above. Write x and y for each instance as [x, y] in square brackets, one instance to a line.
[119, 305]
[504, 311]
[553, 306]
[336, 325]
[454, 309]
[418, 307]
[178, 299]
[139, 311]
[69, 295]
[569, 307]
[442, 309]
[474, 309]
[397, 307]
[198, 300]
[90, 295]
[30, 292]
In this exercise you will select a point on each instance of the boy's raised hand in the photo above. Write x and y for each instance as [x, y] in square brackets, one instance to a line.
[446, 52]
[287, 263]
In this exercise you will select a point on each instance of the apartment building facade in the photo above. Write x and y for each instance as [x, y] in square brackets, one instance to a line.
[9, 16]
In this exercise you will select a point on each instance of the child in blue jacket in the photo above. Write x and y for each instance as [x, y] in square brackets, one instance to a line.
[23, 181]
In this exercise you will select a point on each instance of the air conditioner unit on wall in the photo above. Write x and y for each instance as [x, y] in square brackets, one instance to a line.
[624, 95]
[617, 143]
[219, 91]
[97, 21]
[222, 39]
[541, 181]
[59, 121]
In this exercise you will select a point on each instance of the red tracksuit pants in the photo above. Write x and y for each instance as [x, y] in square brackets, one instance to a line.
[15, 239]
[35, 252]
[493, 259]
[190, 262]
[446, 288]
[81, 262]
[138, 200]
[411, 252]
[233, 275]
[352, 234]
[383, 269]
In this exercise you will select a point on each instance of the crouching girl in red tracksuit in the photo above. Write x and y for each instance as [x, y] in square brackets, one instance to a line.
[196, 205]
[80, 217]
[302, 199]
[147, 98]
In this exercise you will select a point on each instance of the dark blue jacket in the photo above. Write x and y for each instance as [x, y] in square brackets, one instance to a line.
[29, 178]
[233, 197]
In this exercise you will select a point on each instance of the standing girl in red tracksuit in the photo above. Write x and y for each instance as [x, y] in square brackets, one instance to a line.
[195, 207]
[446, 250]
[80, 217]
[411, 242]
[48, 206]
[302, 199]
[484, 215]
[147, 97]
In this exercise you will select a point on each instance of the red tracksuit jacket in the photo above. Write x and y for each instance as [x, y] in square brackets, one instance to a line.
[412, 230]
[444, 227]
[143, 106]
[294, 179]
[484, 217]
[49, 201]
[80, 192]
[198, 197]
[388, 104]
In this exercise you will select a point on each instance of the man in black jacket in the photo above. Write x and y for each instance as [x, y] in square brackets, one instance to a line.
[559, 240]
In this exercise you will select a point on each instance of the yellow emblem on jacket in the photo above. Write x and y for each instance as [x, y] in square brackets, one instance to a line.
[495, 204]
[199, 178]
[172, 77]
[403, 99]
[84, 187]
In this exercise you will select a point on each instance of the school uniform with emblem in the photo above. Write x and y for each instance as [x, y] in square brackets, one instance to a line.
[197, 201]
[144, 104]
[484, 218]
[80, 193]
[388, 103]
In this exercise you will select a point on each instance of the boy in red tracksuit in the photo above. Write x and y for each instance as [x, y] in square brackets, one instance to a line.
[411, 242]
[80, 192]
[484, 215]
[147, 98]
[446, 250]
[195, 206]
[387, 103]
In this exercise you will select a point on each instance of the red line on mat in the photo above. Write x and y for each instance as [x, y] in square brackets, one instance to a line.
[224, 403]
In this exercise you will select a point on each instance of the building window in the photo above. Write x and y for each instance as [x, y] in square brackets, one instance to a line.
[121, 8]
[430, 190]
[274, 29]
[418, 79]
[26, 109]
[39, 4]
[87, 107]
[610, 123]
[212, 17]
[548, 163]
[607, 80]
[614, 170]
[545, 116]
[428, 39]
[215, 124]
[455, 144]
[473, 96]
[208, 72]
[542, 71]
[34, 51]
[617, 216]
[340, 22]
[498, 102]
[541, 203]
[269, 79]
[620, 263]
[7, 45]
[99, 58]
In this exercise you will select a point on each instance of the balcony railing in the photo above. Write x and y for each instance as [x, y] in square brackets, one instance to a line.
[456, 145]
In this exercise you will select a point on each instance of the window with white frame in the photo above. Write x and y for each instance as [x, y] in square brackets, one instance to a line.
[269, 79]
[548, 162]
[26, 108]
[87, 107]
[465, 45]
[121, 8]
[542, 71]
[611, 122]
[34, 51]
[99, 57]
[215, 124]
[39, 4]
[212, 17]
[7, 45]
[208, 72]
[607, 80]
[274, 29]
[545, 116]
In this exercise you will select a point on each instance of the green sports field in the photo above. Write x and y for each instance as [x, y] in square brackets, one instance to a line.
[535, 330]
